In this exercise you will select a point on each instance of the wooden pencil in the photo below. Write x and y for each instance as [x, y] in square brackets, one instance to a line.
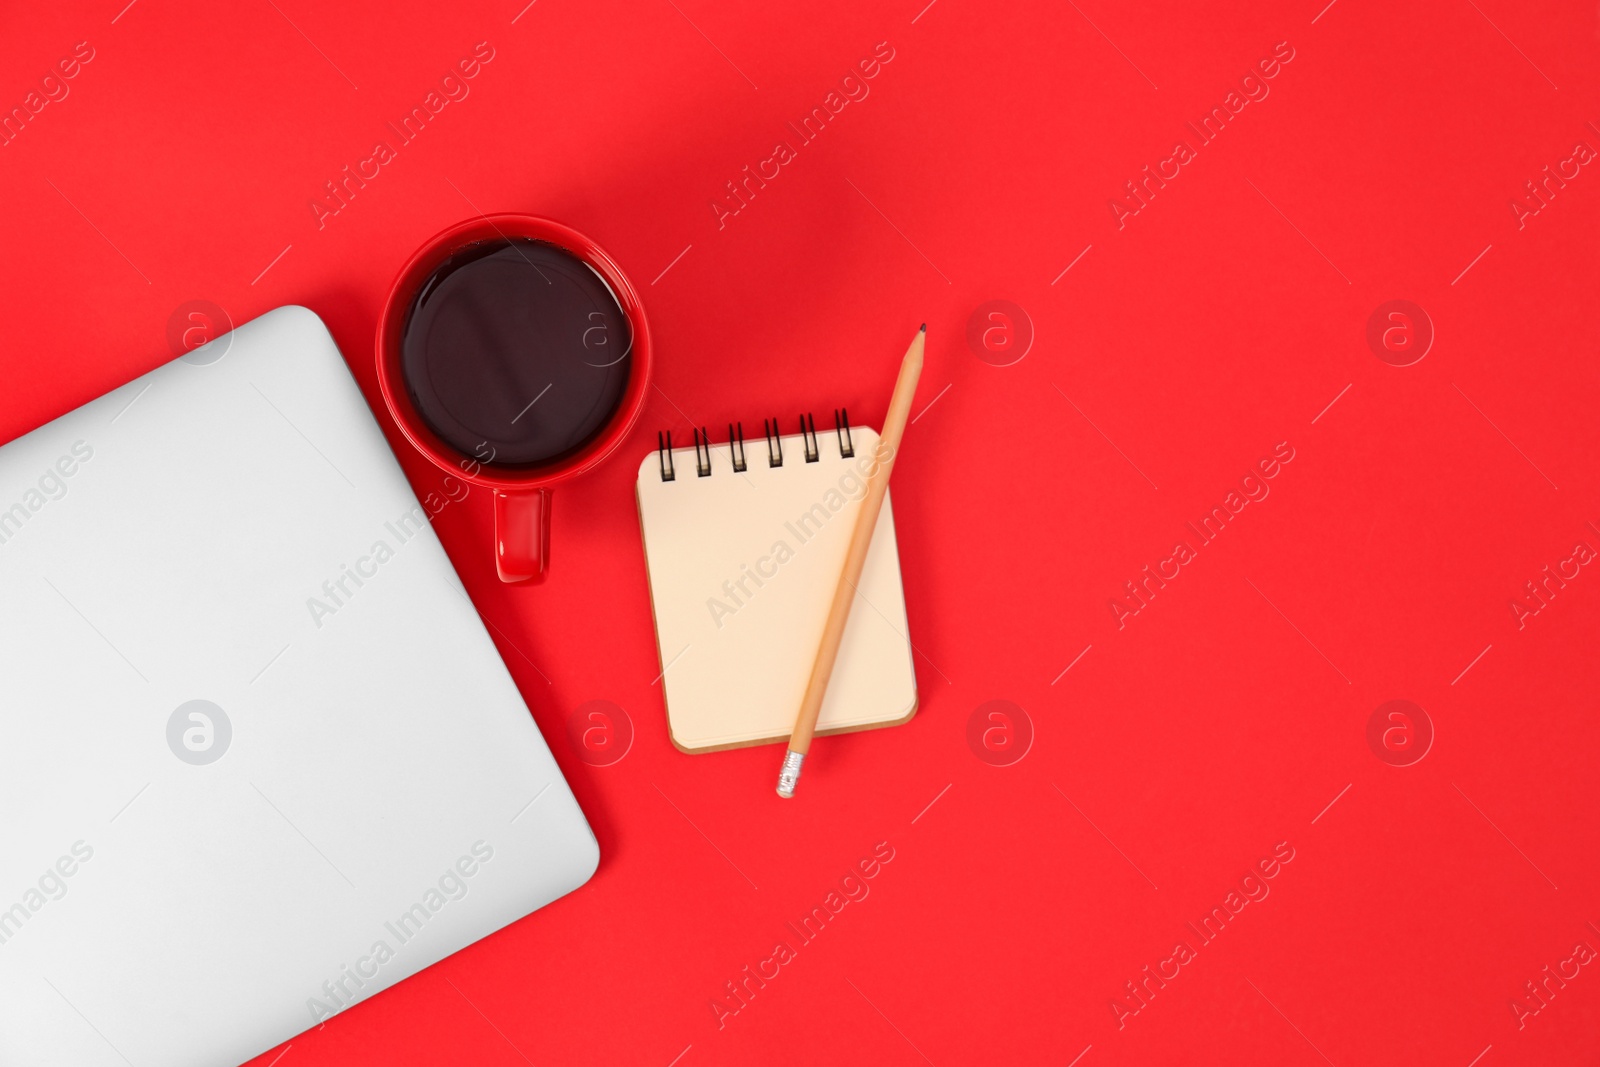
[894, 427]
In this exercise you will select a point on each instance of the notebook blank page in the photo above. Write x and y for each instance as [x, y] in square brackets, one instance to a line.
[742, 572]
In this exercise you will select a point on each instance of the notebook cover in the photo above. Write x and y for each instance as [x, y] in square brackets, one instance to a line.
[742, 567]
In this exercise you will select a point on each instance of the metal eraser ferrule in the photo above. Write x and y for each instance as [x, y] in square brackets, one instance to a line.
[790, 773]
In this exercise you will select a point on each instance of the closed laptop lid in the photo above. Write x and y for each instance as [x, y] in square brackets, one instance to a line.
[260, 759]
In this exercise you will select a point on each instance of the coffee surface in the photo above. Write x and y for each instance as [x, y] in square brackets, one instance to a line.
[516, 352]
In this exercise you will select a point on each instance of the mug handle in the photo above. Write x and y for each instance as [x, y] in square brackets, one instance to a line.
[522, 534]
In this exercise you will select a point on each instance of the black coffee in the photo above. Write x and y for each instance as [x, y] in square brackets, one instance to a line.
[516, 352]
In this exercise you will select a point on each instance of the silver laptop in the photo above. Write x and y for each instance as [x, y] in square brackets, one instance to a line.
[259, 758]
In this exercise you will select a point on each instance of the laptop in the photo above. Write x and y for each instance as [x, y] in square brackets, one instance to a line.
[259, 758]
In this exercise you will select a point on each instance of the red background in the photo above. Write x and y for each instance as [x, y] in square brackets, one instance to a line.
[1221, 320]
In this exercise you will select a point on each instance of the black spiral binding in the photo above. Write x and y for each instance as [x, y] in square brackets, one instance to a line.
[774, 443]
[736, 449]
[841, 426]
[702, 467]
[664, 446]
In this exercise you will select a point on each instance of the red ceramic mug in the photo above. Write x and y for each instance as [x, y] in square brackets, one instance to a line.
[521, 494]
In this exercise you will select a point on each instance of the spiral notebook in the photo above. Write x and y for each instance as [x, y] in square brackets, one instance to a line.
[744, 547]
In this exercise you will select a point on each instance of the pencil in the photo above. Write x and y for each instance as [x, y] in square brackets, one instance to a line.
[894, 427]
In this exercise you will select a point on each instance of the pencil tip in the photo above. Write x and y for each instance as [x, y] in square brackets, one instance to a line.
[924, 328]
